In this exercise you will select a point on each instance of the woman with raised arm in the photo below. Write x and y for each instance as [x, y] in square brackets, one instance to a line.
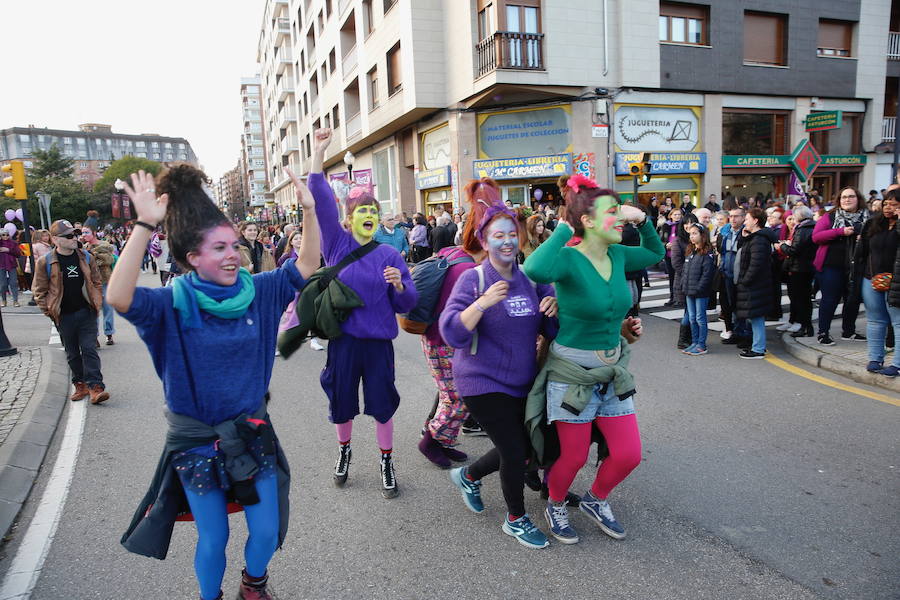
[365, 350]
[212, 339]
[587, 379]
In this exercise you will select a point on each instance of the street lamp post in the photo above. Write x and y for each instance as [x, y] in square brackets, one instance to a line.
[348, 160]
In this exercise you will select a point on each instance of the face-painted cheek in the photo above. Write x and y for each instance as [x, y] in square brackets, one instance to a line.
[610, 222]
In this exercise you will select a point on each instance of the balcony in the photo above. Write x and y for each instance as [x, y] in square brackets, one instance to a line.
[286, 116]
[285, 88]
[282, 30]
[284, 59]
[888, 129]
[893, 46]
[349, 62]
[354, 126]
[510, 50]
[289, 144]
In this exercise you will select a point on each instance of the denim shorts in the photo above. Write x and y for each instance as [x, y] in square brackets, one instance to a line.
[603, 403]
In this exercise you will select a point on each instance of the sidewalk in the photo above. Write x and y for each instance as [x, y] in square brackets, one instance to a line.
[34, 386]
[848, 359]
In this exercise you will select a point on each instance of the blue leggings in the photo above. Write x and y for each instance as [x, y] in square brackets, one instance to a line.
[211, 517]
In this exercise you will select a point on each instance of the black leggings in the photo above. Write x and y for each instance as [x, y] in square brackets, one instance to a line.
[503, 418]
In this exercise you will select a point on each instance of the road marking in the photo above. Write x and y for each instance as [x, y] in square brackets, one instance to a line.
[819, 379]
[29, 560]
[54, 335]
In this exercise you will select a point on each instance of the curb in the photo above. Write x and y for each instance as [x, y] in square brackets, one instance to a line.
[837, 365]
[23, 452]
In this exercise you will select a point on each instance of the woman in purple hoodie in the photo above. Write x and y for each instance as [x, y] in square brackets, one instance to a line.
[364, 351]
[493, 317]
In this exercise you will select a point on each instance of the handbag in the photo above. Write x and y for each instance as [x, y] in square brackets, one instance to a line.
[881, 282]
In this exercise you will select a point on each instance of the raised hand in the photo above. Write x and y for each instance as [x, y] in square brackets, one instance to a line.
[149, 207]
[632, 214]
[304, 196]
[321, 139]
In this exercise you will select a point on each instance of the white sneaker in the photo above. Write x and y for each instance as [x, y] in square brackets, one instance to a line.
[726, 335]
[316, 345]
[794, 327]
[784, 327]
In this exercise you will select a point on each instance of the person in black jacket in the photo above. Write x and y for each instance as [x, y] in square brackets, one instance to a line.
[799, 251]
[696, 281]
[753, 279]
[442, 235]
[877, 253]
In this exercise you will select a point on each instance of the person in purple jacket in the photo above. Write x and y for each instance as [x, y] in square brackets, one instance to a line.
[364, 351]
[493, 318]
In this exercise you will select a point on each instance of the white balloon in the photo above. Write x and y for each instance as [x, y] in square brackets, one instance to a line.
[11, 228]
[19, 215]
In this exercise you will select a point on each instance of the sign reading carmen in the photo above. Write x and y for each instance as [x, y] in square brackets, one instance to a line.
[525, 167]
[664, 162]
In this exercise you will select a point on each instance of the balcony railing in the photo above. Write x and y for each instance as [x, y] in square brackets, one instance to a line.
[893, 46]
[349, 61]
[888, 129]
[288, 145]
[354, 125]
[285, 87]
[510, 50]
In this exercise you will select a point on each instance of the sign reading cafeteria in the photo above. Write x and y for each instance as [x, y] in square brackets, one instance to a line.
[513, 133]
[649, 128]
[524, 167]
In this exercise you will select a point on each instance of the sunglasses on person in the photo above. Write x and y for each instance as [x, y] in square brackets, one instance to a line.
[72, 235]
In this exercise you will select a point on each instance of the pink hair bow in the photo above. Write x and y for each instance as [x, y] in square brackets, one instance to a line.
[578, 180]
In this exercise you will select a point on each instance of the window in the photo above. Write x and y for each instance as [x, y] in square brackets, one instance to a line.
[522, 51]
[485, 20]
[765, 38]
[846, 139]
[835, 38]
[335, 119]
[332, 62]
[368, 25]
[82, 165]
[373, 88]
[385, 176]
[389, 4]
[683, 23]
[394, 74]
[754, 133]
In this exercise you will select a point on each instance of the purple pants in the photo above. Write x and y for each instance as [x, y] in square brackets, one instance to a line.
[351, 359]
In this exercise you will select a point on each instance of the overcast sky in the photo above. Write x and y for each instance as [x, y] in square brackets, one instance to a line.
[168, 67]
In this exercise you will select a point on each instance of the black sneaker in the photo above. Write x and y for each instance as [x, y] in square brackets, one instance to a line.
[342, 466]
[825, 339]
[751, 355]
[472, 428]
[855, 337]
[388, 477]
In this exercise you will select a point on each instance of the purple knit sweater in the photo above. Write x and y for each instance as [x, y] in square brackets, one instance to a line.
[506, 360]
[375, 320]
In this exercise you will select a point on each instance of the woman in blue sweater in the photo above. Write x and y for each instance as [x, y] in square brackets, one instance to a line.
[493, 317]
[217, 319]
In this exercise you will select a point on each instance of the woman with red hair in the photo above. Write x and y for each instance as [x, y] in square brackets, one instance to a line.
[586, 376]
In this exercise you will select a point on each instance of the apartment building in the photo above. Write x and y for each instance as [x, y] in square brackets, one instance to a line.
[427, 94]
[253, 142]
[93, 147]
[230, 193]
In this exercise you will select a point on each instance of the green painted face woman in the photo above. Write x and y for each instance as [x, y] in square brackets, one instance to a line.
[603, 227]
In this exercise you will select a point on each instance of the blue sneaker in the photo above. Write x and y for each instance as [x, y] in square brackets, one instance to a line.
[874, 366]
[558, 521]
[525, 532]
[890, 371]
[689, 349]
[697, 350]
[470, 490]
[602, 515]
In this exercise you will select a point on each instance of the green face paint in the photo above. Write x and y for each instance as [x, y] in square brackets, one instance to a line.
[608, 222]
[364, 221]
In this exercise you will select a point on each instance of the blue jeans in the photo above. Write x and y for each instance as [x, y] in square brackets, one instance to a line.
[8, 281]
[878, 316]
[109, 327]
[758, 325]
[696, 314]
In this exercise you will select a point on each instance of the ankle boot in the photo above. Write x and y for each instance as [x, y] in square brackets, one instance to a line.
[433, 451]
[805, 331]
[684, 337]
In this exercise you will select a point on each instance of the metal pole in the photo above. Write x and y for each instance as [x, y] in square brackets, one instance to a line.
[636, 184]
[6, 349]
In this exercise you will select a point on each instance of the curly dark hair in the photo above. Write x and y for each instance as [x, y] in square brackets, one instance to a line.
[191, 212]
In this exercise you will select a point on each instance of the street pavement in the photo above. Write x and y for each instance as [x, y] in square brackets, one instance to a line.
[756, 483]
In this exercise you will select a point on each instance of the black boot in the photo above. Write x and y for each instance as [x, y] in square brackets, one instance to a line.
[684, 337]
[805, 331]
[342, 466]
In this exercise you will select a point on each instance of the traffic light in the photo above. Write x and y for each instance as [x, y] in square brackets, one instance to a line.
[16, 180]
[641, 169]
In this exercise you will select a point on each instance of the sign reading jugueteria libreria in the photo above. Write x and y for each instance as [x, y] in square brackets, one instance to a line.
[821, 121]
[524, 167]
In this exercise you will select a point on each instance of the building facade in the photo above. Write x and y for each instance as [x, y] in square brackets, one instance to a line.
[231, 193]
[428, 94]
[253, 142]
[93, 147]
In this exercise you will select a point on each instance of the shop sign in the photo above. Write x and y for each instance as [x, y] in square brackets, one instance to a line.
[662, 163]
[514, 133]
[525, 167]
[756, 161]
[843, 160]
[584, 164]
[648, 128]
[600, 131]
[432, 178]
[805, 160]
[436, 148]
[360, 177]
[821, 121]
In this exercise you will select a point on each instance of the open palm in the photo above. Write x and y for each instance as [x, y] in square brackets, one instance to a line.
[149, 208]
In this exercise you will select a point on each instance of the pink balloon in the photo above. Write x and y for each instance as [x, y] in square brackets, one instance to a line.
[11, 228]
[19, 215]
[10, 214]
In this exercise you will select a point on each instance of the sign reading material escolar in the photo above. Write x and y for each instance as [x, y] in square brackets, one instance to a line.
[821, 121]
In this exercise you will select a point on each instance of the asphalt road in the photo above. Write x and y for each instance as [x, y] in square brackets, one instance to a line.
[755, 483]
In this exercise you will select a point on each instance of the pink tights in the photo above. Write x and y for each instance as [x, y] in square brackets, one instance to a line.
[384, 433]
[624, 442]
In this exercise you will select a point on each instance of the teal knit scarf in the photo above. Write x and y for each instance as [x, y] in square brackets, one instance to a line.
[192, 294]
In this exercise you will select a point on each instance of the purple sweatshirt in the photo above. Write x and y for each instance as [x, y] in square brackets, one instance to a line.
[376, 320]
[506, 360]
[8, 259]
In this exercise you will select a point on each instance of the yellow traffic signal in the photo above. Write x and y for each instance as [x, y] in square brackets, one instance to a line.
[635, 168]
[16, 180]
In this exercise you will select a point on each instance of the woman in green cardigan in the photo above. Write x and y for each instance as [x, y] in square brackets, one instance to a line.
[594, 298]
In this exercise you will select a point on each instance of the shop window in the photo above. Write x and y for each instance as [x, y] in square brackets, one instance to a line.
[683, 23]
[394, 75]
[754, 133]
[765, 39]
[843, 140]
[835, 38]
